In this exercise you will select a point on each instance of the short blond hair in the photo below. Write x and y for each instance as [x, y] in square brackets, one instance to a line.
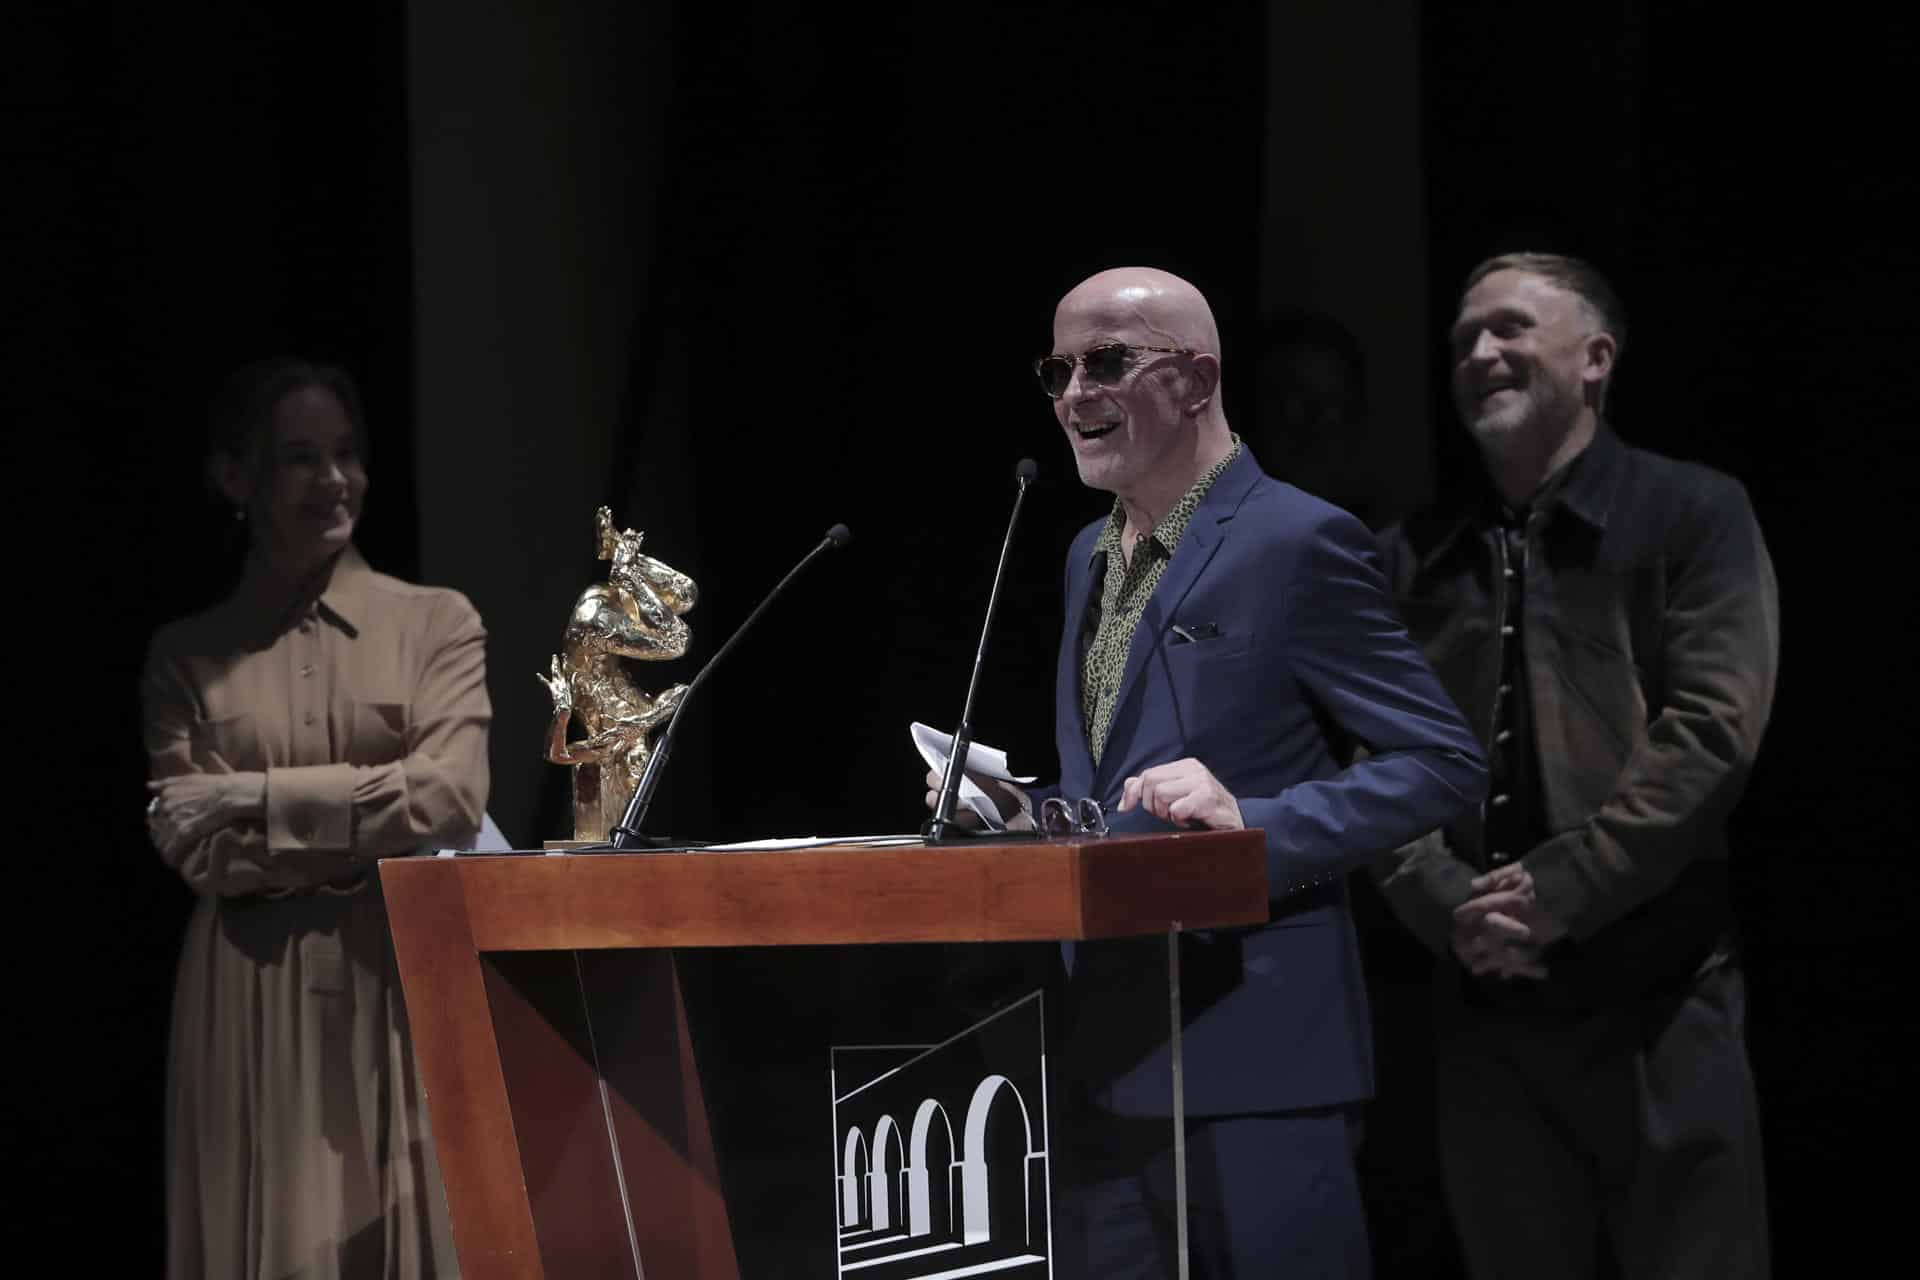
[1575, 275]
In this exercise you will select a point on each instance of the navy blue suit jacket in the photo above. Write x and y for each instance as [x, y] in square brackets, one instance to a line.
[1302, 659]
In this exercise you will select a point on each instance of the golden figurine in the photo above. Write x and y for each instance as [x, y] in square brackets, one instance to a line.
[635, 615]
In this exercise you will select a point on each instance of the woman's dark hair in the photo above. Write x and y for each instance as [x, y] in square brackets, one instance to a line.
[243, 407]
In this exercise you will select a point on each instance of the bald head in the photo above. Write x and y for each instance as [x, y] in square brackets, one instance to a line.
[1148, 424]
[1146, 299]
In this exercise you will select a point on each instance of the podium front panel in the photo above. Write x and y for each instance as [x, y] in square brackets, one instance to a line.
[897, 1110]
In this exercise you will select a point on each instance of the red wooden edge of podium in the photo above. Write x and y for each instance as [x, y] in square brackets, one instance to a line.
[473, 1029]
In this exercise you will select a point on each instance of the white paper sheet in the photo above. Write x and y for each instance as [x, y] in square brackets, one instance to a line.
[812, 842]
[935, 747]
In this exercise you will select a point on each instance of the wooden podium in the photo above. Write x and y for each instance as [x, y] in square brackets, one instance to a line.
[574, 1141]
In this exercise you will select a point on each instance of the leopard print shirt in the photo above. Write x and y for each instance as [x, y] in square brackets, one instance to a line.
[1123, 598]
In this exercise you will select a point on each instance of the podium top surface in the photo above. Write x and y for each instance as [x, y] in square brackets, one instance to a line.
[980, 891]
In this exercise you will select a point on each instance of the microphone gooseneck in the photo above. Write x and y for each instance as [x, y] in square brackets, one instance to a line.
[941, 828]
[626, 835]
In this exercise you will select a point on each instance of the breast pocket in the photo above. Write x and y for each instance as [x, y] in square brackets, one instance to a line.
[379, 731]
[1215, 687]
[227, 744]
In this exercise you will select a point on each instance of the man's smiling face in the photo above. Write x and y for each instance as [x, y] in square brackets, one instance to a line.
[1119, 431]
[1522, 357]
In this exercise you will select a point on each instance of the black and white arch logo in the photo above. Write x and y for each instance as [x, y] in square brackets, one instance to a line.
[940, 1164]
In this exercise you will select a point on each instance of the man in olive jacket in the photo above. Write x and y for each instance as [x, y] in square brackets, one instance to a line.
[1607, 619]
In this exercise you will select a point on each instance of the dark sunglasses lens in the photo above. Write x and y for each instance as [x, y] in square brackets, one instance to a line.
[1055, 373]
[1105, 364]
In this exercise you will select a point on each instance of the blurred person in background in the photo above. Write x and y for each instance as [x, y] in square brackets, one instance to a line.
[319, 718]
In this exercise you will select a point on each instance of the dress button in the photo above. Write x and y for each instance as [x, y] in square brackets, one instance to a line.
[1505, 689]
[1506, 630]
[1503, 735]
[1499, 800]
[309, 717]
[1499, 858]
[306, 670]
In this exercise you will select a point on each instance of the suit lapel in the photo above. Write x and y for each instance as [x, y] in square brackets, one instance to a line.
[1076, 757]
[1205, 531]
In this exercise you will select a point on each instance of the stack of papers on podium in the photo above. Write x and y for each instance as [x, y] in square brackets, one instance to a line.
[810, 842]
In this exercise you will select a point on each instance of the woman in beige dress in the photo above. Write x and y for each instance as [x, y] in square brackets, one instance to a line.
[322, 717]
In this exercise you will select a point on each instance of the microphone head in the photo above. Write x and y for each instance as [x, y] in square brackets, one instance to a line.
[839, 535]
[1025, 471]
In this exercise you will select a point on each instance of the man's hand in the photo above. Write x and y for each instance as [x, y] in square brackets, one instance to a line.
[187, 808]
[1016, 809]
[1184, 793]
[1486, 953]
[1503, 928]
[1505, 899]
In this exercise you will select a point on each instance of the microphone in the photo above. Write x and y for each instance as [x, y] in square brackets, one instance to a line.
[626, 834]
[941, 828]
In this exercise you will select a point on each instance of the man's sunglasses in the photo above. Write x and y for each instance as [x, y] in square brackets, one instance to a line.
[1104, 364]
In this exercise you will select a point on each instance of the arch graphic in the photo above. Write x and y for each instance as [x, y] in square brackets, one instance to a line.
[853, 1176]
[888, 1161]
[919, 1186]
[974, 1188]
[941, 1151]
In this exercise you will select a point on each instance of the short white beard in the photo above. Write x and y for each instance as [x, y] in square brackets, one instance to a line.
[1506, 424]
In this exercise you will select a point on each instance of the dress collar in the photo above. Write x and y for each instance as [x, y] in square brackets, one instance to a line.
[263, 607]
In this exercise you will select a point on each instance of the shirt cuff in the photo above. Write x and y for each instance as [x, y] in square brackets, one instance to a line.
[1425, 894]
[1561, 886]
[310, 807]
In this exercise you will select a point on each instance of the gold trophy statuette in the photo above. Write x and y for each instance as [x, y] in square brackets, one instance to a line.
[636, 614]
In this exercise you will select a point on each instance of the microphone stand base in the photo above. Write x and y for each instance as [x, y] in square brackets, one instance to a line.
[936, 832]
[621, 840]
[936, 835]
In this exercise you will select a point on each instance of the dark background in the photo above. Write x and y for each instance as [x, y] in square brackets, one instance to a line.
[840, 302]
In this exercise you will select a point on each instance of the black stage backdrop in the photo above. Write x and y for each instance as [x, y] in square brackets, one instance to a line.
[835, 292]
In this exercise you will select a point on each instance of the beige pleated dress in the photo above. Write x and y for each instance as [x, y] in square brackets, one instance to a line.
[297, 1136]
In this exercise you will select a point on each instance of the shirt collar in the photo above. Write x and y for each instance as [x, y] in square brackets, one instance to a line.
[1584, 488]
[262, 608]
[1173, 525]
[1586, 485]
[345, 598]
